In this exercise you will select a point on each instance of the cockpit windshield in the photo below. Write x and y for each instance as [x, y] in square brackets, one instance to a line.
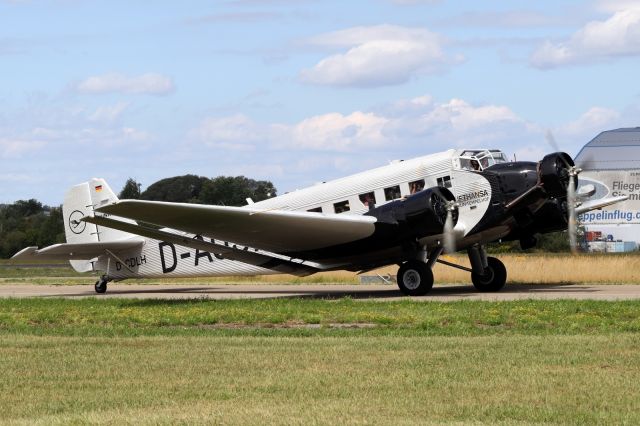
[479, 159]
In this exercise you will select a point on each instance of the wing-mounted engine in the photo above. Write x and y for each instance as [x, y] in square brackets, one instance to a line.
[420, 215]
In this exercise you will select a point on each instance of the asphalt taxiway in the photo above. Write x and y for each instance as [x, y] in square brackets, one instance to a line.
[370, 291]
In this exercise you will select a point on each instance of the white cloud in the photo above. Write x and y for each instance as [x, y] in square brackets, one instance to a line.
[420, 121]
[50, 131]
[595, 120]
[504, 19]
[463, 116]
[337, 132]
[14, 177]
[236, 132]
[592, 121]
[455, 123]
[377, 56]
[327, 132]
[110, 113]
[17, 147]
[611, 6]
[617, 36]
[149, 83]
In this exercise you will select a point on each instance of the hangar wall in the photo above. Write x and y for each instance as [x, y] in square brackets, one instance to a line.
[611, 163]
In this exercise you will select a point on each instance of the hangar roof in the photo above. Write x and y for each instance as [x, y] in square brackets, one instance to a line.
[617, 149]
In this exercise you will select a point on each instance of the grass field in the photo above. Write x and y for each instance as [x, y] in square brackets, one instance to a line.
[318, 362]
[522, 268]
[313, 361]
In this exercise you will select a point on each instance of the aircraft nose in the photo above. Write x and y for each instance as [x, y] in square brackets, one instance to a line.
[555, 171]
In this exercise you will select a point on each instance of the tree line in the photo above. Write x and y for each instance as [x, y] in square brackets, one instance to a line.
[30, 223]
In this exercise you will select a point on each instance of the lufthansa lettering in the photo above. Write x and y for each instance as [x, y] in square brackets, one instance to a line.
[475, 197]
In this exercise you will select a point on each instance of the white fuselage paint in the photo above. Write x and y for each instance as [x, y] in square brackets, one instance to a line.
[472, 191]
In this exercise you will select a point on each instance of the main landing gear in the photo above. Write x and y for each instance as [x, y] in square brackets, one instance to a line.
[415, 278]
[493, 278]
[488, 274]
[101, 284]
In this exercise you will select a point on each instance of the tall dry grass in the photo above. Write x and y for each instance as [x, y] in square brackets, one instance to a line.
[521, 268]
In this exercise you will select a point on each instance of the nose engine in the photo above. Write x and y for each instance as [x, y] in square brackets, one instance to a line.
[538, 195]
[555, 172]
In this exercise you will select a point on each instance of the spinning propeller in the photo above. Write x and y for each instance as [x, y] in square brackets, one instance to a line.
[572, 172]
[449, 241]
[445, 205]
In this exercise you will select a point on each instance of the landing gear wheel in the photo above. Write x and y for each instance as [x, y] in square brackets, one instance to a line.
[415, 278]
[494, 277]
[101, 285]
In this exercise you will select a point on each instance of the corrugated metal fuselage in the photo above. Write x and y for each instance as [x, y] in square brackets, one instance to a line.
[472, 191]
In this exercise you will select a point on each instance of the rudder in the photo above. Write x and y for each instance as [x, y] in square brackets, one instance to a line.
[80, 201]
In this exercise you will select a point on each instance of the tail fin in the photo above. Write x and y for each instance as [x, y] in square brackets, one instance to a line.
[80, 201]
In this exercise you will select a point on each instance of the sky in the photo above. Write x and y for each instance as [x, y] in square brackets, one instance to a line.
[299, 92]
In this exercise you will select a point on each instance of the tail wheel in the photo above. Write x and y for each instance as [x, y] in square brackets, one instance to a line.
[415, 278]
[101, 285]
[493, 278]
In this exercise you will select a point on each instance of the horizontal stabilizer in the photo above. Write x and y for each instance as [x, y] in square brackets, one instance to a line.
[598, 204]
[232, 252]
[276, 231]
[75, 251]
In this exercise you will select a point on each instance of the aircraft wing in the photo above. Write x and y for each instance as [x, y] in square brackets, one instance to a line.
[275, 231]
[598, 204]
[252, 256]
[75, 251]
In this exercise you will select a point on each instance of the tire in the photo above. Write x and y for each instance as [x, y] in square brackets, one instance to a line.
[101, 286]
[415, 278]
[494, 277]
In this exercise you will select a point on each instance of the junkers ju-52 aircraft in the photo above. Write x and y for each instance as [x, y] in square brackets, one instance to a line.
[406, 213]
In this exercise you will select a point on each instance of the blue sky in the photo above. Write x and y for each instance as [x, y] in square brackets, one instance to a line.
[299, 91]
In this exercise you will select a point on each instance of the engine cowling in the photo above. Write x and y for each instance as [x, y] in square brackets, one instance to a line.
[554, 174]
[419, 215]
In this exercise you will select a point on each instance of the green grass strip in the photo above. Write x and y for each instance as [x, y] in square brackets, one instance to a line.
[94, 316]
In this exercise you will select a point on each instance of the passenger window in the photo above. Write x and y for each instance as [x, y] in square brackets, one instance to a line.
[444, 182]
[341, 207]
[368, 199]
[315, 210]
[416, 186]
[392, 193]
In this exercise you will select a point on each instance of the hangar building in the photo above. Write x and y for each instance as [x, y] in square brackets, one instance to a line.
[611, 163]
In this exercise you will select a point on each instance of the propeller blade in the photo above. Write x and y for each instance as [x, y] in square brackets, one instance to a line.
[571, 206]
[449, 237]
[551, 140]
[572, 197]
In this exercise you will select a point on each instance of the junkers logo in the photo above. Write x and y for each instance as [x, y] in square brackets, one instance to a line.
[475, 197]
[75, 224]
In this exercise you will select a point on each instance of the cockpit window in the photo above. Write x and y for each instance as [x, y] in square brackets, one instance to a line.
[478, 160]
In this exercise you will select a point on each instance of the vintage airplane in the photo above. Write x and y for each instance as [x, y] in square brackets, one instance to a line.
[406, 213]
